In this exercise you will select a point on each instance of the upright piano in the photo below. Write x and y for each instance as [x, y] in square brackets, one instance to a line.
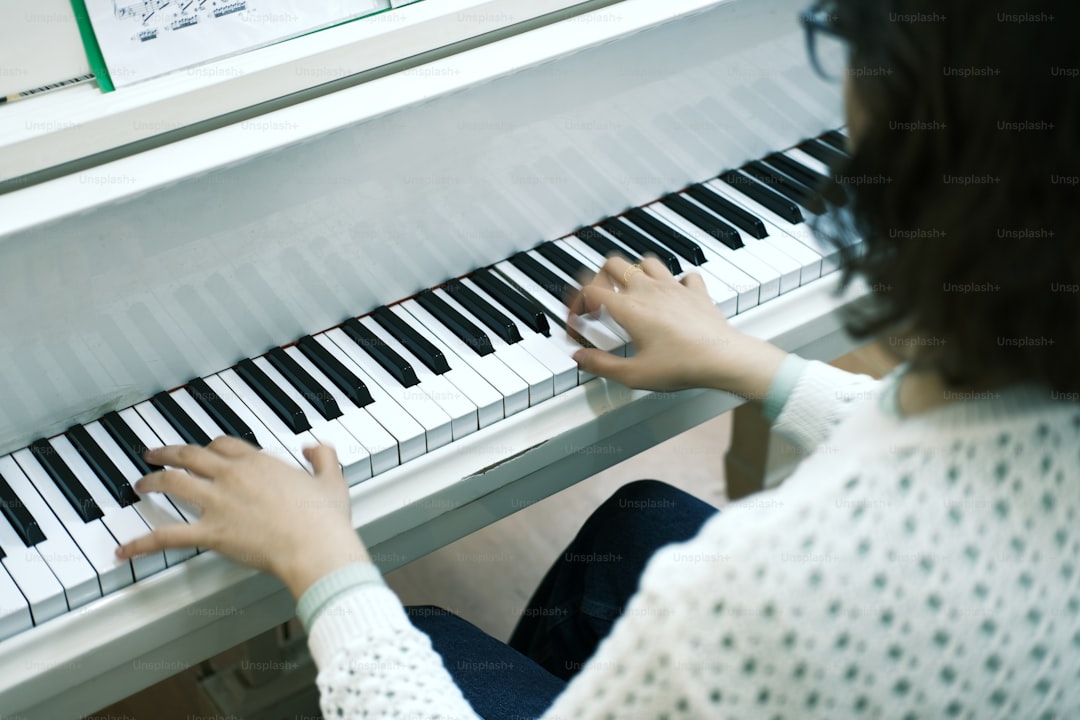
[362, 236]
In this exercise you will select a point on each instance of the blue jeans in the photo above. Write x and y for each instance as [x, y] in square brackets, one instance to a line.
[573, 609]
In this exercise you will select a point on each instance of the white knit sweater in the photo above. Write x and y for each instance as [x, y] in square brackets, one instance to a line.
[922, 567]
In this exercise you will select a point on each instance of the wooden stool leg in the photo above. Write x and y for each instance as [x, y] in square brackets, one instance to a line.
[745, 461]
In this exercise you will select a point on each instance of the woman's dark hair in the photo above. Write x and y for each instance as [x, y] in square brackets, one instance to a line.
[963, 183]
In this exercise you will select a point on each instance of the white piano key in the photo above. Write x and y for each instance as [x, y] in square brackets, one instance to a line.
[604, 319]
[421, 408]
[539, 378]
[746, 256]
[811, 162]
[767, 276]
[58, 551]
[294, 443]
[155, 509]
[267, 440]
[747, 287]
[124, 523]
[776, 246]
[462, 412]
[555, 352]
[402, 427]
[595, 332]
[830, 257]
[92, 538]
[43, 592]
[381, 444]
[196, 413]
[14, 611]
[477, 389]
[723, 296]
[164, 434]
[354, 458]
[486, 373]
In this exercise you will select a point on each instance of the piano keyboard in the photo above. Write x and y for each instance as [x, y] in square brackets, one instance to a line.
[400, 382]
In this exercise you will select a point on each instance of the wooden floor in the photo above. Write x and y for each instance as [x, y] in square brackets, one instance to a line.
[488, 576]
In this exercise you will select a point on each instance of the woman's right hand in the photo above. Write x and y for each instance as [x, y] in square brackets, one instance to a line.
[681, 339]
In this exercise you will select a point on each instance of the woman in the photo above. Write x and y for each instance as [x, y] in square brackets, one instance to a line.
[921, 563]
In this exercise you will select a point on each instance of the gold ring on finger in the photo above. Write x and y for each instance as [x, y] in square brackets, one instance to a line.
[635, 268]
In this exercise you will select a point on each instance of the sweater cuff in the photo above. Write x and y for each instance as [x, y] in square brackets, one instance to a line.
[329, 587]
[787, 376]
[366, 611]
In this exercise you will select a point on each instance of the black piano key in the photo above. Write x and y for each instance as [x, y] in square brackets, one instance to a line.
[710, 225]
[810, 178]
[107, 472]
[682, 245]
[542, 276]
[128, 441]
[413, 341]
[759, 193]
[520, 306]
[309, 388]
[461, 326]
[20, 519]
[282, 405]
[69, 485]
[723, 207]
[639, 243]
[219, 411]
[175, 415]
[495, 320]
[393, 363]
[2, 553]
[603, 245]
[667, 237]
[563, 260]
[789, 188]
[835, 139]
[346, 381]
[823, 151]
[797, 171]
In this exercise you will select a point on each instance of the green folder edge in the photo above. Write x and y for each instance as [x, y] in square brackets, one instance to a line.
[90, 44]
[97, 60]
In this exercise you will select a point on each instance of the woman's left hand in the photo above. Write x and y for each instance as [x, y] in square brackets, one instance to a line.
[256, 509]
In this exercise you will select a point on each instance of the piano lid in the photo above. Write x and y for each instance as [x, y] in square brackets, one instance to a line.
[80, 127]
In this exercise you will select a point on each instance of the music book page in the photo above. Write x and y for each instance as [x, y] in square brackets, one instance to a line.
[141, 39]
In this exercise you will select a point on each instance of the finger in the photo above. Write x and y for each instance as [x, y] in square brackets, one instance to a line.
[184, 486]
[577, 303]
[231, 447]
[593, 298]
[323, 459]
[179, 535]
[693, 281]
[615, 270]
[600, 281]
[654, 268]
[584, 278]
[198, 460]
[603, 364]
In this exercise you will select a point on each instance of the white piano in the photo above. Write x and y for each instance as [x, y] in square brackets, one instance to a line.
[164, 248]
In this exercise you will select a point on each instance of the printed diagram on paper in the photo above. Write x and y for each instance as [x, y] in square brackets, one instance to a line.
[141, 39]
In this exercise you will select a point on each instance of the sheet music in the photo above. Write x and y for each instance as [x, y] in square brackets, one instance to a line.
[145, 38]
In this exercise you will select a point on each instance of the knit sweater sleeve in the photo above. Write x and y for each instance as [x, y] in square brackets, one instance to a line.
[818, 400]
[373, 663]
